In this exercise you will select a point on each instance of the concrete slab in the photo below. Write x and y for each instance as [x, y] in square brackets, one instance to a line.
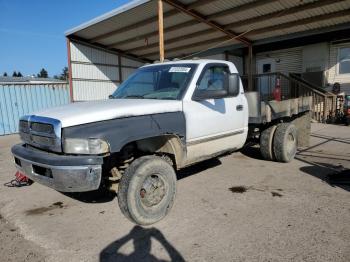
[289, 212]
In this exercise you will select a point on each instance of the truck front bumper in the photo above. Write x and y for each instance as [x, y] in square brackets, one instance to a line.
[60, 172]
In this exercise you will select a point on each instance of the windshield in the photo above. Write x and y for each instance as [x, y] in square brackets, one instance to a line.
[157, 82]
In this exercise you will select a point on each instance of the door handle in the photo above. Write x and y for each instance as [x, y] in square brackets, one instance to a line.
[239, 107]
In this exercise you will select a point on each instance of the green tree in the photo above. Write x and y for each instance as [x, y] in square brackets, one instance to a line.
[65, 74]
[5, 74]
[14, 74]
[19, 74]
[43, 73]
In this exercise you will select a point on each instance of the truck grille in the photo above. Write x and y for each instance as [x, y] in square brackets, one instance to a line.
[41, 132]
[42, 128]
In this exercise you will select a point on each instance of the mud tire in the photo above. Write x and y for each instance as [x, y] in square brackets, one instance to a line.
[266, 143]
[285, 142]
[132, 182]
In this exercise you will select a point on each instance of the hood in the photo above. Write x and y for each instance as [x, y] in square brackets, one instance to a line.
[87, 112]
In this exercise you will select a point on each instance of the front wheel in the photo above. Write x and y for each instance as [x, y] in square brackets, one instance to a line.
[147, 190]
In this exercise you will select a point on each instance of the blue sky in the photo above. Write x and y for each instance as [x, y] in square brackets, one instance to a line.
[32, 31]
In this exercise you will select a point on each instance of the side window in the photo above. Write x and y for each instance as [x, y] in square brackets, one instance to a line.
[214, 78]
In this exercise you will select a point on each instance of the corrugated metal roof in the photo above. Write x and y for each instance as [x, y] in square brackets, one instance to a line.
[132, 28]
[28, 79]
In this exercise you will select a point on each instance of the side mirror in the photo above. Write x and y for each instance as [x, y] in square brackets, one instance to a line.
[200, 95]
[233, 84]
[110, 97]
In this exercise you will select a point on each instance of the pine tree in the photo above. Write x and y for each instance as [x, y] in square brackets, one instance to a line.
[43, 73]
[65, 74]
[5, 74]
[14, 74]
[19, 74]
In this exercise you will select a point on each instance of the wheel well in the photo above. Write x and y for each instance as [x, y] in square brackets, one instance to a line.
[170, 145]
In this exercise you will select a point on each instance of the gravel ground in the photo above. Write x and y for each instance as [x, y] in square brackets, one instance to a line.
[235, 208]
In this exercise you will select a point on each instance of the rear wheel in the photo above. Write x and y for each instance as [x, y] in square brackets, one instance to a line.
[285, 142]
[266, 143]
[147, 190]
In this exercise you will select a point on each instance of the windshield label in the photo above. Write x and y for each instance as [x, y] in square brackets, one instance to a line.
[179, 69]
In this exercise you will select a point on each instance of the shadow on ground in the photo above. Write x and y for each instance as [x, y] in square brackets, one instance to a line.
[252, 151]
[141, 238]
[334, 175]
[197, 168]
[92, 197]
[321, 164]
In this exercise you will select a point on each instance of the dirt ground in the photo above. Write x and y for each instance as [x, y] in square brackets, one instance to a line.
[15, 248]
[234, 208]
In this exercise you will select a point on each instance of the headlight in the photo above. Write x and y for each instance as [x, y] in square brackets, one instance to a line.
[93, 146]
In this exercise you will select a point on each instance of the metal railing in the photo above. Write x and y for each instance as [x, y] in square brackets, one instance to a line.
[323, 102]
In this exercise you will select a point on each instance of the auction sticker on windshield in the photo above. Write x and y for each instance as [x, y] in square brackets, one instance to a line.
[179, 69]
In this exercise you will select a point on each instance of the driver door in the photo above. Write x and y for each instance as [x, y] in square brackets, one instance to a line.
[214, 124]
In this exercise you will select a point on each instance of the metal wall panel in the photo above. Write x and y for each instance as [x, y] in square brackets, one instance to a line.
[131, 63]
[17, 100]
[126, 72]
[84, 53]
[95, 71]
[287, 60]
[93, 90]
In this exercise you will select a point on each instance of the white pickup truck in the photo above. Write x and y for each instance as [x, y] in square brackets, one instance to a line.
[164, 117]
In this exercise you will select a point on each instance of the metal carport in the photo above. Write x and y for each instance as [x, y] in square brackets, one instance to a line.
[193, 28]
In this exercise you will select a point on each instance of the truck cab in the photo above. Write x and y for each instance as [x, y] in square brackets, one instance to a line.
[164, 117]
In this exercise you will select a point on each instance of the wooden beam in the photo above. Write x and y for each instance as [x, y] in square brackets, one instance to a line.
[281, 13]
[69, 70]
[198, 16]
[161, 30]
[250, 68]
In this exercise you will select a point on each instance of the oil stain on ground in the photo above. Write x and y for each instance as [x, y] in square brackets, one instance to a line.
[276, 194]
[43, 210]
[238, 189]
[243, 189]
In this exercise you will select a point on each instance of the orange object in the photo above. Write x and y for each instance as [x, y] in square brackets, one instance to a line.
[277, 90]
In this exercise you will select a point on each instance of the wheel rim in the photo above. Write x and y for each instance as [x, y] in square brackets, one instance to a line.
[152, 191]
